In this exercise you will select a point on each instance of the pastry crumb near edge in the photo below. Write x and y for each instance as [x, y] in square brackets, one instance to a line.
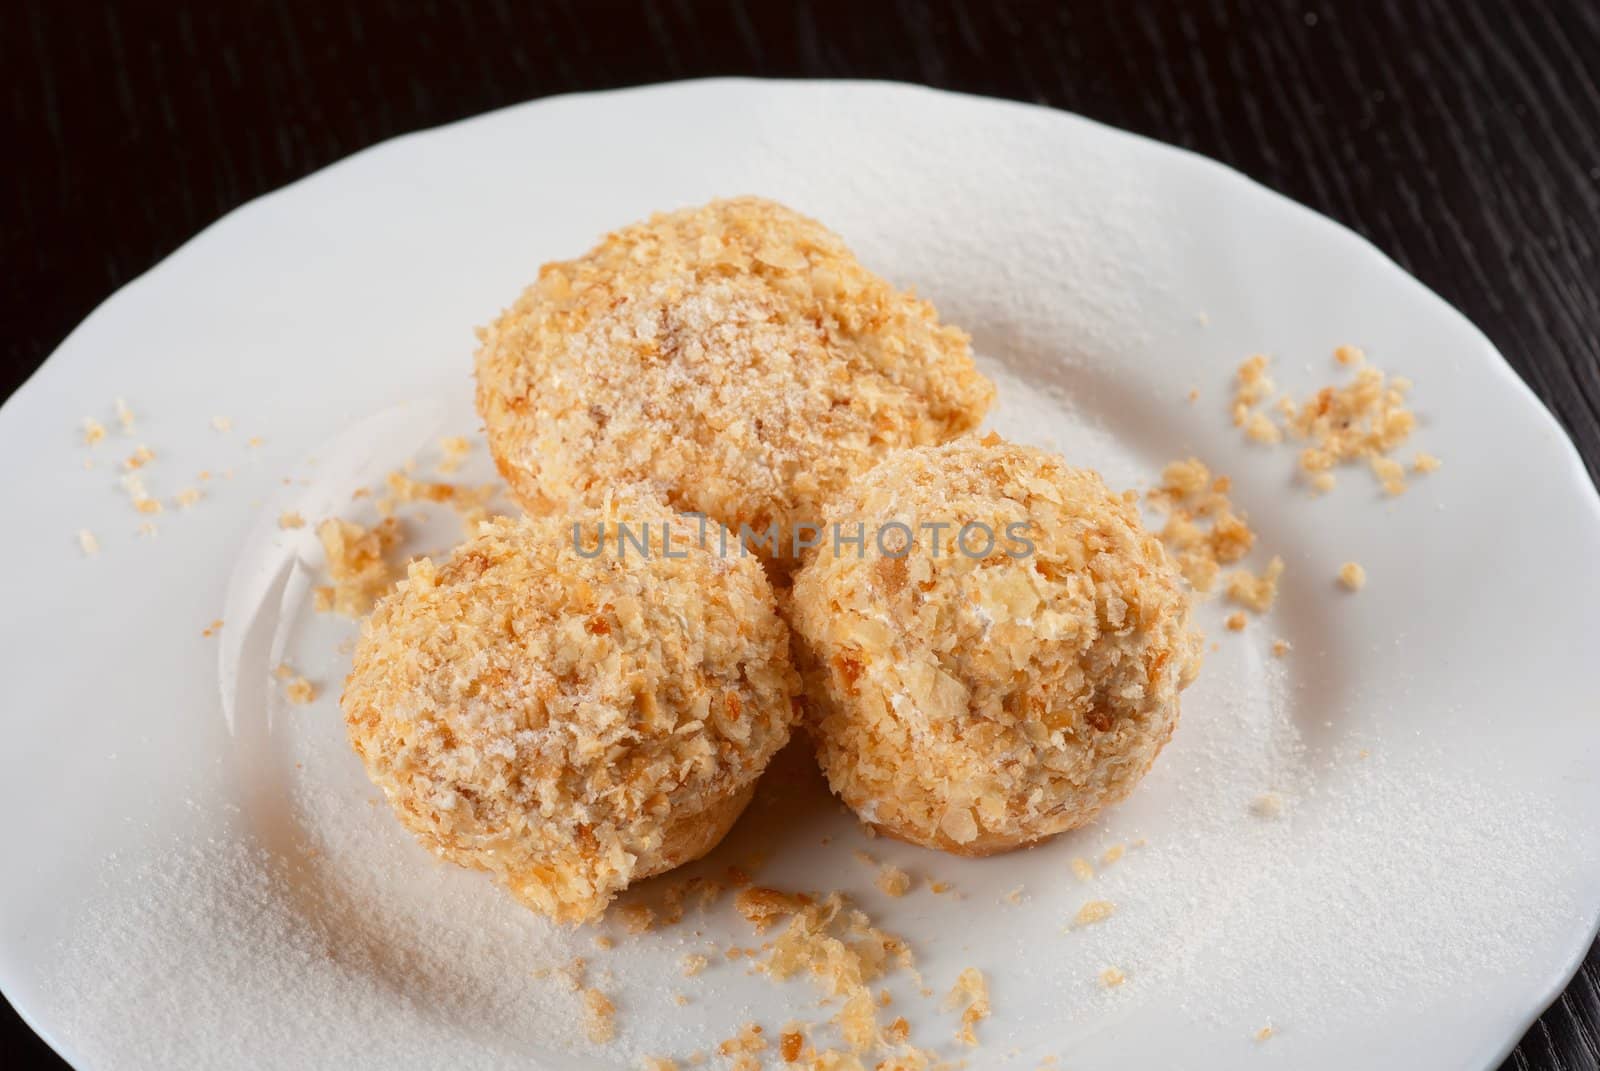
[87, 542]
[470, 503]
[599, 1016]
[1202, 530]
[356, 559]
[1112, 977]
[1352, 576]
[453, 450]
[893, 881]
[1094, 911]
[1366, 418]
[842, 951]
[1267, 805]
[750, 1040]
[971, 994]
[300, 691]
[1253, 591]
[637, 918]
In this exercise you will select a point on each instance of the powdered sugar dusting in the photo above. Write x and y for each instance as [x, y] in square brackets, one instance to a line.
[319, 911]
[308, 930]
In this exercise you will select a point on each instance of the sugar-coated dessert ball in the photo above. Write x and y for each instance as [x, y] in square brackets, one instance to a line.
[994, 646]
[734, 359]
[572, 715]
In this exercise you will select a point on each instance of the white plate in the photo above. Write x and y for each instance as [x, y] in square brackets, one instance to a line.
[196, 879]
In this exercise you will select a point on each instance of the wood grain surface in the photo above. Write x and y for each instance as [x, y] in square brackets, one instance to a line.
[1461, 136]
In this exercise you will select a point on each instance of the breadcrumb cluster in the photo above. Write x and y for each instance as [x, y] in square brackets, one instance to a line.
[132, 471]
[1366, 419]
[1203, 531]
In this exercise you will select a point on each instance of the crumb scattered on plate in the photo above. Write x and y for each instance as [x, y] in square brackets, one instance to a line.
[599, 1016]
[971, 994]
[637, 918]
[1352, 576]
[1364, 419]
[453, 450]
[1094, 911]
[1202, 530]
[1267, 805]
[357, 561]
[1254, 591]
[893, 880]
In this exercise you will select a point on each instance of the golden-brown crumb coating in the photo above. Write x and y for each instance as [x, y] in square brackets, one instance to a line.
[572, 723]
[733, 358]
[978, 704]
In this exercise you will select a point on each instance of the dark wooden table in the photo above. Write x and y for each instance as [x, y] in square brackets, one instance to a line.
[1462, 136]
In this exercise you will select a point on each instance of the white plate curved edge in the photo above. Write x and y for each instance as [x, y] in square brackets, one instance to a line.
[1076, 254]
